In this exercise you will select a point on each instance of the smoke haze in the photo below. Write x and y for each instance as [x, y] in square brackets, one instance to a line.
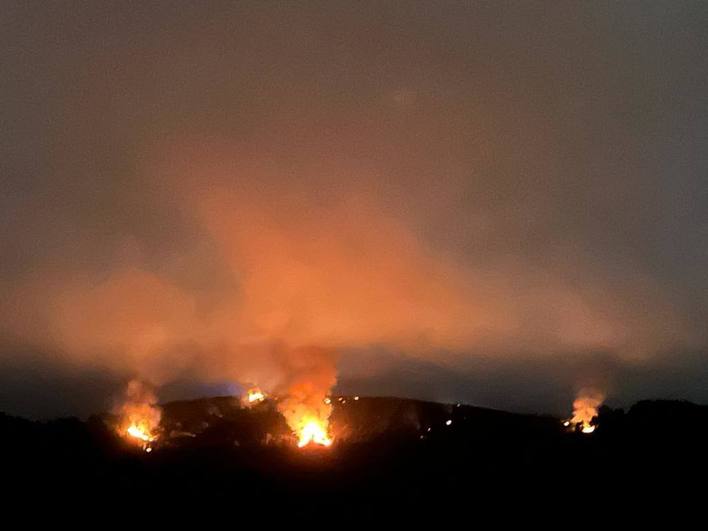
[495, 203]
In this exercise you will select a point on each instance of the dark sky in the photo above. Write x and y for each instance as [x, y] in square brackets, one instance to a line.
[491, 202]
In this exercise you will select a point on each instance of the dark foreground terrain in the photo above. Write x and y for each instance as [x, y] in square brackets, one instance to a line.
[393, 458]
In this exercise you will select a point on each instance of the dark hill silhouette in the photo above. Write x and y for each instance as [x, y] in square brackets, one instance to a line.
[395, 458]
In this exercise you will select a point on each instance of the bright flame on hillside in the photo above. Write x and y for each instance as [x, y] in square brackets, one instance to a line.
[585, 408]
[140, 432]
[308, 418]
[314, 431]
[305, 401]
[255, 395]
[139, 415]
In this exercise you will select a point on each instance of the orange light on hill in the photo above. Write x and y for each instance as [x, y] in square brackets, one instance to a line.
[141, 433]
[255, 395]
[585, 410]
[140, 426]
[139, 415]
[305, 403]
[313, 431]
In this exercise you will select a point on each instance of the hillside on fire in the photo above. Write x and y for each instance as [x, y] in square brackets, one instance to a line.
[389, 457]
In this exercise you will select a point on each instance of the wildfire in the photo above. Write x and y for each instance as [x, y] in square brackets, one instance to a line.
[255, 395]
[140, 432]
[252, 397]
[585, 408]
[307, 413]
[139, 415]
[305, 401]
[314, 431]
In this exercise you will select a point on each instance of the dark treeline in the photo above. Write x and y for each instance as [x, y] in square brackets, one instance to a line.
[393, 458]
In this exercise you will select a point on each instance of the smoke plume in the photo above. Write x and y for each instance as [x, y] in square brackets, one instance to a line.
[266, 194]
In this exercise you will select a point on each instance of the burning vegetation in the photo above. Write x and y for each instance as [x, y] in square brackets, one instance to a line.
[304, 407]
[302, 417]
[314, 431]
[139, 415]
[307, 416]
[254, 395]
[585, 408]
[304, 401]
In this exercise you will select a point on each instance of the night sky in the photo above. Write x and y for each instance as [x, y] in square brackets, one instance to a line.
[490, 202]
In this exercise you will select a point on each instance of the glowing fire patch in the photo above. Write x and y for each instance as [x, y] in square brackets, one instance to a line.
[585, 410]
[255, 395]
[140, 433]
[313, 432]
[139, 415]
[306, 403]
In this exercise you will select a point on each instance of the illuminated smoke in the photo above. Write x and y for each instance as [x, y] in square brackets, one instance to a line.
[214, 206]
[341, 276]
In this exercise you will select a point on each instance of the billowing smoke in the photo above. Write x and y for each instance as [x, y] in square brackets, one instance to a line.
[279, 282]
[306, 189]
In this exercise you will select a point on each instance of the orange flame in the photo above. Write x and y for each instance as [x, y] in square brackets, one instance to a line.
[139, 415]
[307, 414]
[141, 432]
[314, 431]
[305, 403]
[255, 395]
[585, 408]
